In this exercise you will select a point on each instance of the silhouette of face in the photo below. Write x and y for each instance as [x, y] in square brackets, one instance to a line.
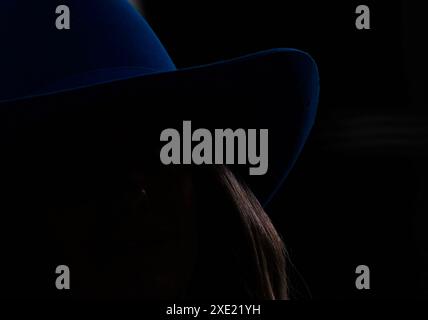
[132, 238]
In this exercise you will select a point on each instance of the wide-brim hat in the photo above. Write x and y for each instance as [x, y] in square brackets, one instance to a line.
[106, 78]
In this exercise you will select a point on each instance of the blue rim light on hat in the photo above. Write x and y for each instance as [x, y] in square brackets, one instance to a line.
[109, 41]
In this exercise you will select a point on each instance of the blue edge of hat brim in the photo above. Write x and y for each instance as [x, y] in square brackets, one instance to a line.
[305, 66]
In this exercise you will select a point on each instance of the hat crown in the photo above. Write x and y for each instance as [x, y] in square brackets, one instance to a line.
[107, 40]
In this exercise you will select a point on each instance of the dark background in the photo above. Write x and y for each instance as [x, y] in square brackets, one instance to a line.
[358, 194]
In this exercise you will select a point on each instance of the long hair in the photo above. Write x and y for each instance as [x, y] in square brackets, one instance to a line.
[240, 253]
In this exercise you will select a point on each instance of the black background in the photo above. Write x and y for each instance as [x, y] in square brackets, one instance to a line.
[358, 194]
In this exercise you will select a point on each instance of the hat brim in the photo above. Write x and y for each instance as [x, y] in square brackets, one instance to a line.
[276, 90]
